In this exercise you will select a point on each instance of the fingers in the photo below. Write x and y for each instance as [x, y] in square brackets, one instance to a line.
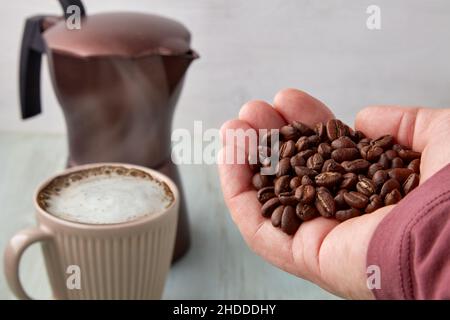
[293, 104]
[261, 115]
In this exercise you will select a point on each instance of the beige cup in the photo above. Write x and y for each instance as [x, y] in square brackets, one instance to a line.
[127, 260]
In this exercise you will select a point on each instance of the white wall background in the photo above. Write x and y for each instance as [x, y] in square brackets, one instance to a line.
[250, 49]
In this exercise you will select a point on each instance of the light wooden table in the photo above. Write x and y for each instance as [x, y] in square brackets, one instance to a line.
[218, 266]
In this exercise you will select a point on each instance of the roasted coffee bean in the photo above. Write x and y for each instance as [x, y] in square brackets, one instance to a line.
[384, 161]
[306, 153]
[388, 186]
[282, 184]
[315, 162]
[302, 144]
[276, 216]
[349, 181]
[288, 149]
[356, 200]
[302, 128]
[313, 140]
[384, 142]
[391, 154]
[343, 215]
[289, 132]
[324, 149]
[374, 168]
[328, 179]
[411, 183]
[336, 129]
[400, 174]
[268, 207]
[343, 142]
[414, 165]
[265, 194]
[362, 143]
[408, 155]
[288, 198]
[325, 203]
[283, 167]
[379, 178]
[340, 201]
[356, 166]
[306, 212]
[289, 220]
[365, 186]
[357, 135]
[397, 163]
[392, 197]
[371, 152]
[297, 160]
[375, 202]
[321, 131]
[305, 193]
[295, 183]
[307, 181]
[345, 154]
[260, 181]
[305, 171]
[397, 147]
[332, 166]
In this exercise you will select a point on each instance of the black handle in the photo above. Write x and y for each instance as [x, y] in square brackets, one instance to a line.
[66, 3]
[30, 67]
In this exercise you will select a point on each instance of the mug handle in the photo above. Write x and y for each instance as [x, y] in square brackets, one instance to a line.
[13, 253]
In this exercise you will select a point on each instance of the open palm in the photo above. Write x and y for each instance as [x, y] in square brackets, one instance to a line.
[328, 253]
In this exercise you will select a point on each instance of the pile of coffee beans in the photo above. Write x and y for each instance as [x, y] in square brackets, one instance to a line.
[331, 171]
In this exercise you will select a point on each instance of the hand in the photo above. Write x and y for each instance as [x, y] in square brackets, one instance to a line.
[328, 253]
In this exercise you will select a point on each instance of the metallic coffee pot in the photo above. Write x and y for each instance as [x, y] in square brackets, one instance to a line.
[117, 79]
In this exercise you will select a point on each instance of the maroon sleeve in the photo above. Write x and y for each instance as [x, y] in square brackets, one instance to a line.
[411, 246]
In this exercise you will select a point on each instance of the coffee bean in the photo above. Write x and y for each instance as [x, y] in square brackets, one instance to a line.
[373, 168]
[356, 200]
[375, 202]
[397, 147]
[302, 144]
[315, 162]
[282, 184]
[392, 197]
[400, 174]
[408, 155]
[313, 140]
[328, 179]
[265, 194]
[305, 193]
[371, 152]
[362, 143]
[295, 183]
[365, 186]
[343, 215]
[276, 216]
[357, 135]
[288, 149]
[288, 198]
[391, 154]
[379, 178]
[339, 200]
[289, 220]
[384, 142]
[268, 207]
[349, 181]
[332, 166]
[283, 167]
[414, 165]
[397, 163]
[289, 132]
[388, 186]
[260, 181]
[302, 128]
[345, 154]
[297, 160]
[325, 203]
[411, 183]
[307, 181]
[306, 153]
[356, 166]
[343, 142]
[321, 131]
[336, 129]
[384, 161]
[305, 171]
[324, 149]
[306, 212]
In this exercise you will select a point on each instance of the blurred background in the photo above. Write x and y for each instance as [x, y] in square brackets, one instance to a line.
[249, 50]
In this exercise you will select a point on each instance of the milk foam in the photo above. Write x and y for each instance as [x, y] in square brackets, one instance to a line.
[108, 198]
